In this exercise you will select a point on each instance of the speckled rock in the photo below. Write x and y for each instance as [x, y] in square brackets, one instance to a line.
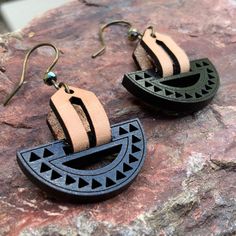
[187, 185]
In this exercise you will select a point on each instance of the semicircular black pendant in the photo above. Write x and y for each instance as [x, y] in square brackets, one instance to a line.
[186, 92]
[61, 174]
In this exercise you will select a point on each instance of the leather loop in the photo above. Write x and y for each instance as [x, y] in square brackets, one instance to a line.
[166, 55]
[87, 128]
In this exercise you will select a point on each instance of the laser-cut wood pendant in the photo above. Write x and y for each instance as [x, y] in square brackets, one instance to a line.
[61, 173]
[92, 161]
[63, 168]
[186, 92]
[167, 79]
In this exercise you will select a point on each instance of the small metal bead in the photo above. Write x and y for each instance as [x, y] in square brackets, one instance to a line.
[49, 78]
[133, 34]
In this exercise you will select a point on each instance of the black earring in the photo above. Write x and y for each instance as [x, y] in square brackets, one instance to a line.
[167, 79]
[63, 168]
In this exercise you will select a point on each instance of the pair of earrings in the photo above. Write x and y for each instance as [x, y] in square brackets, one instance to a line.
[167, 79]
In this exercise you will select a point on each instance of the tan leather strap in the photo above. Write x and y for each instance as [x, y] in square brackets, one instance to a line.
[167, 56]
[141, 58]
[75, 124]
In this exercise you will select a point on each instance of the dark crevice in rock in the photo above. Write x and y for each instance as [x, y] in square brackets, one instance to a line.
[218, 117]
[2, 69]
[91, 4]
[17, 126]
[225, 165]
[184, 209]
[4, 47]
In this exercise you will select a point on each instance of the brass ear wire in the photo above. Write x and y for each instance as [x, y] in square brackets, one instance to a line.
[133, 35]
[50, 77]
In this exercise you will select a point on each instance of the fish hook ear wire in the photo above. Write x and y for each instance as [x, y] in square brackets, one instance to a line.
[80, 124]
[50, 77]
[162, 68]
[133, 35]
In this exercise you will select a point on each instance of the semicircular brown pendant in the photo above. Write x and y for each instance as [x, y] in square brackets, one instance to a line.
[167, 79]
[109, 162]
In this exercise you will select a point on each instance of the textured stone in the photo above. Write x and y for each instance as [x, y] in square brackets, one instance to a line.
[187, 185]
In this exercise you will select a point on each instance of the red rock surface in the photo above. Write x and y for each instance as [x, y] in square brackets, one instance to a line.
[187, 185]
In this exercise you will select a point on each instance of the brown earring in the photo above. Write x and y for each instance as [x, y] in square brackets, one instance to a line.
[166, 79]
[79, 121]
